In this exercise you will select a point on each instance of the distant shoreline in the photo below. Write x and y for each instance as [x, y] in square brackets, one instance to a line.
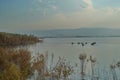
[79, 37]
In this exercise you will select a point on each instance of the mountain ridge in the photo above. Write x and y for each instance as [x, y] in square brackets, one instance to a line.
[81, 32]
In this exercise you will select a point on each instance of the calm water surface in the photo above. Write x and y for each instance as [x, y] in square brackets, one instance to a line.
[106, 50]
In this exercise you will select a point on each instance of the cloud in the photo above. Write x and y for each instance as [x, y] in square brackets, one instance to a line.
[87, 17]
[89, 4]
[54, 7]
[40, 1]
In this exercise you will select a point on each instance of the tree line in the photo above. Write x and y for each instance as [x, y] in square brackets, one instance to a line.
[9, 39]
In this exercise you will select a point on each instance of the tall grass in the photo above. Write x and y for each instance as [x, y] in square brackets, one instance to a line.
[20, 65]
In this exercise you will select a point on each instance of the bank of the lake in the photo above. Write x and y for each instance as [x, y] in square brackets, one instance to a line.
[10, 39]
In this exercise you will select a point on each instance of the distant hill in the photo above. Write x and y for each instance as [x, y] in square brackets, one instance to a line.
[82, 32]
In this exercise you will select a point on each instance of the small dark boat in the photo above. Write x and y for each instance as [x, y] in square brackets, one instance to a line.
[82, 44]
[78, 43]
[86, 43]
[72, 43]
[93, 43]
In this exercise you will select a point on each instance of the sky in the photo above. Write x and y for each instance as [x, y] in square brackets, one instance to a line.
[27, 15]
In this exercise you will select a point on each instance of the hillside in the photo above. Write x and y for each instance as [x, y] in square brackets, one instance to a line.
[82, 32]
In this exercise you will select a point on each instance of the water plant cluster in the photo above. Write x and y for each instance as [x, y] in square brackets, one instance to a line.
[18, 64]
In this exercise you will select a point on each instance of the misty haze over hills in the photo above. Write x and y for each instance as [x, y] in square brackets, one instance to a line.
[82, 32]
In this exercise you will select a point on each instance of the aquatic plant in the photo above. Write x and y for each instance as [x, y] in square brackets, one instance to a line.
[82, 58]
[62, 70]
[12, 72]
[113, 67]
[17, 59]
[93, 61]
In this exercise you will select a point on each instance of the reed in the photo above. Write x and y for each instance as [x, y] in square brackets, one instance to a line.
[22, 66]
[82, 58]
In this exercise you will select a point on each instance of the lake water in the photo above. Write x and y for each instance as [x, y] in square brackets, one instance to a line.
[106, 50]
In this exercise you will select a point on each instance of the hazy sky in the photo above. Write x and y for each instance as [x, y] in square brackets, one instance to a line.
[25, 15]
